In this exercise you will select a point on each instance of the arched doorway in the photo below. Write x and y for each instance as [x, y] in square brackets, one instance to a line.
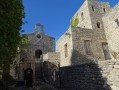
[28, 77]
[38, 53]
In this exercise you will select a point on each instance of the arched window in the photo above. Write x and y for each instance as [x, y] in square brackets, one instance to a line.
[93, 8]
[98, 24]
[82, 16]
[104, 10]
[38, 53]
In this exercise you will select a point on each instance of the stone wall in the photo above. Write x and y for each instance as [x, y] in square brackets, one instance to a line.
[97, 13]
[66, 38]
[86, 21]
[79, 54]
[112, 29]
[45, 43]
[52, 57]
[51, 67]
[91, 16]
[110, 70]
[50, 73]
[74, 38]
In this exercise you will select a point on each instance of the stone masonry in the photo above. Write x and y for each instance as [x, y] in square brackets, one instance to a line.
[112, 28]
[110, 70]
[98, 25]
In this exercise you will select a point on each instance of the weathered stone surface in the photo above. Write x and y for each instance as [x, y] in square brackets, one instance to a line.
[93, 12]
[111, 28]
[83, 77]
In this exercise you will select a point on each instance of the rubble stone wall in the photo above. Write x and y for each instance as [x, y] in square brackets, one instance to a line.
[110, 70]
[111, 27]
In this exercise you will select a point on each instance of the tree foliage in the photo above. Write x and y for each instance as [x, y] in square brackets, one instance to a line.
[74, 22]
[11, 14]
[24, 41]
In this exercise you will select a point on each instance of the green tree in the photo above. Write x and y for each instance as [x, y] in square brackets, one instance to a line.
[11, 15]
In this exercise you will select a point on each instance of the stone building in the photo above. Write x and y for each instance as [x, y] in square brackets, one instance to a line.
[36, 54]
[93, 38]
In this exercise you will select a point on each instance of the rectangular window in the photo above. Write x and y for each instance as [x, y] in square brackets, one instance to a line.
[106, 51]
[66, 50]
[87, 46]
[117, 22]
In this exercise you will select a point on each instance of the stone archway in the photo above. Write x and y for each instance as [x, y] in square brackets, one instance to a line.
[38, 53]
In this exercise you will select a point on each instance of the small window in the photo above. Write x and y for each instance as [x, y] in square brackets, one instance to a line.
[82, 16]
[98, 24]
[117, 22]
[104, 10]
[66, 50]
[106, 51]
[87, 46]
[38, 53]
[93, 8]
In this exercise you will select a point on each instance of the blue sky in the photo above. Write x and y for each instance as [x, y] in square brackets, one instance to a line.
[55, 15]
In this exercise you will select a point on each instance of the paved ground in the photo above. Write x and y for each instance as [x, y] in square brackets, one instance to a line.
[37, 86]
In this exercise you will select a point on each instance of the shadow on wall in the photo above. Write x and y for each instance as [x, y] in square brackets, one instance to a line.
[86, 76]
[78, 58]
[51, 73]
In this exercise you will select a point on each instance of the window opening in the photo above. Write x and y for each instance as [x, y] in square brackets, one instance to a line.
[117, 22]
[93, 8]
[38, 53]
[98, 24]
[66, 50]
[104, 9]
[106, 51]
[87, 46]
[82, 16]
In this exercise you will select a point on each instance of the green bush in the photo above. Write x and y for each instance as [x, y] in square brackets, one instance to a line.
[74, 22]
